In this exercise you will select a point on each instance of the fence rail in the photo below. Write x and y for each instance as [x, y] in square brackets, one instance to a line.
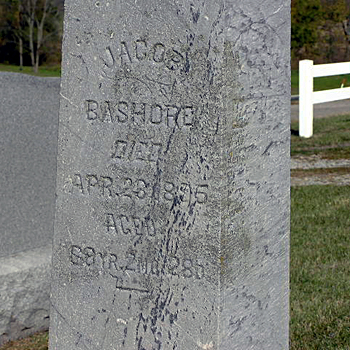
[307, 97]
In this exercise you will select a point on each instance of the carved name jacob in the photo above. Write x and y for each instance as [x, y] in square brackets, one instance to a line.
[140, 50]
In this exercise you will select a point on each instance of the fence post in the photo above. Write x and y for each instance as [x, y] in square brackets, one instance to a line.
[306, 87]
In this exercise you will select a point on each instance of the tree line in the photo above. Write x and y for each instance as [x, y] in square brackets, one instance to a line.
[31, 31]
[320, 30]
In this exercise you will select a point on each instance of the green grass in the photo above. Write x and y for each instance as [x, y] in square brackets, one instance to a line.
[320, 171]
[331, 138]
[323, 83]
[44, 71]
[320, 268]
[38, 341]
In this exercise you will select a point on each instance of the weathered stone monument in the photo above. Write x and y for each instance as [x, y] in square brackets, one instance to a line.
[172, 217]
[28, 152]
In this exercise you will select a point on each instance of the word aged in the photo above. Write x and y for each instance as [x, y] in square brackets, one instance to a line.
[114, 265]
[137, 189]
[129, 225]
[122, 112]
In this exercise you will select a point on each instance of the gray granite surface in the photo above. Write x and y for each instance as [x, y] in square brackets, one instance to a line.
[24, 293]
[172, 216]
[28, 149]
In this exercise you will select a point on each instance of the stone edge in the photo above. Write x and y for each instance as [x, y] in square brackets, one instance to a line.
[24, 293]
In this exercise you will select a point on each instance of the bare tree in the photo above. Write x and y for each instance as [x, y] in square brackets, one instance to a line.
[19, 33]
[346, 28]
[36, 13]
[12, 29]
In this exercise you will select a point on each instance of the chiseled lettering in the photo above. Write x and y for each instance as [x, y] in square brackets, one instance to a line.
[92, 181]
[122, 111]
[147, 151]
[124, 53]
[141, 49]
[158, 52]
[141, 151]
[120, 147]
[155, 151]
[106, 183]
[116, 266]
[188, 115]
[129, 225]
[126, 225]
[107, 114]
[136, 188]
[174, 59]
[78, 182]
[156, 114]
[133, 52]
[110, 222]
[91, 109]
[172, 115]
[141, 113]
[109, 60]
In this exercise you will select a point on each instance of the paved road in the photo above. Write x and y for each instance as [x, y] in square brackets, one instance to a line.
[322, 110]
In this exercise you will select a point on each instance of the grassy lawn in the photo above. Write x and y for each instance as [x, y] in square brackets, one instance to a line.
[331, 138]
[323, 83]
[38, 341]
[320, 268]
[44, 71]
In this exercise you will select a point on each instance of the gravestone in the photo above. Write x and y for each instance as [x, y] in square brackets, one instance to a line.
[28, 152]
[28, 156]
[172, 212]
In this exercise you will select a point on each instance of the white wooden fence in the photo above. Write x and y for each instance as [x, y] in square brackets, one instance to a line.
[307, 96]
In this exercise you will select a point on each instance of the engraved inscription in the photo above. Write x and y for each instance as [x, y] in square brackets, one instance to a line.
[142, 50]
[137, 189]
[170, 116]
[147, 151]
[129, 225]
[184, 193]
[114, 265]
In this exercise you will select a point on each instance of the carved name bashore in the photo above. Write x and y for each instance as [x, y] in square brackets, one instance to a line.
[171, 217]
[142, 114]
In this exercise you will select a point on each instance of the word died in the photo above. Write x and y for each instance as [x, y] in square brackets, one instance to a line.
[145, 151]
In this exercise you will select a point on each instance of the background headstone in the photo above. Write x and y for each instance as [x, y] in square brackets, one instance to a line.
[28, 151]
[172, 217]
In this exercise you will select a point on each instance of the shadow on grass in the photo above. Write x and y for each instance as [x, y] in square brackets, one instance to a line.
[294, 132]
